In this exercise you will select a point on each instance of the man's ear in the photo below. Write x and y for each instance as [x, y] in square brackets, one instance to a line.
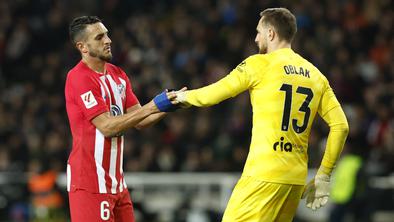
[81, 47]
[271, 34]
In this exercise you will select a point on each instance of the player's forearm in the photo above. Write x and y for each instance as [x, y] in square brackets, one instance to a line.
[114, 125]
[210, 95]
[339, 130]
[150, 120]
[335, 143]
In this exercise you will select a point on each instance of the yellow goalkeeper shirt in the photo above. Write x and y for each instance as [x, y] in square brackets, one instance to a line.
[286, 91]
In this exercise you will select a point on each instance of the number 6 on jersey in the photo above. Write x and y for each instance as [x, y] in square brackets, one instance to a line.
[104, 210]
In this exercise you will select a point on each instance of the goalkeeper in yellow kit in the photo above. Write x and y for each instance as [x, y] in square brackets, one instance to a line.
[286, 92]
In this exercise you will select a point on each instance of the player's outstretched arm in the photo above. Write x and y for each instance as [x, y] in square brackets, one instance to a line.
[238, 80]
[317, 190]
[113, 125]
[227, 87]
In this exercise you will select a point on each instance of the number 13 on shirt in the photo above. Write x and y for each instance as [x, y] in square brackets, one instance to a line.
[288, 89]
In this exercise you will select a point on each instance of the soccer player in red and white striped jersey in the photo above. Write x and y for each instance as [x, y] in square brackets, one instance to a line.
[100, 105]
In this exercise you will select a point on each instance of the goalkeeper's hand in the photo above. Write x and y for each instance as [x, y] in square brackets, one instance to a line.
[181, 97]
[317, 191]
[166, 101]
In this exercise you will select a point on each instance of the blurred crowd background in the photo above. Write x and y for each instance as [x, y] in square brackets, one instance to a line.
[170, 44]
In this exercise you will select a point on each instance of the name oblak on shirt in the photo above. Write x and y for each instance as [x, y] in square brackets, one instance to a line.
[290, 69]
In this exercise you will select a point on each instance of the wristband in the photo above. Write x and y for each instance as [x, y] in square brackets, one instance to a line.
[163, 103]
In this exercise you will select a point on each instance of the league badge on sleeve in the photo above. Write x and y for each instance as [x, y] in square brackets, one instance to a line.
[241, 66]
[88, 99]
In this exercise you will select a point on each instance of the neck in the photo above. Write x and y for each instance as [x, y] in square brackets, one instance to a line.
[278, 45]
[94, 63]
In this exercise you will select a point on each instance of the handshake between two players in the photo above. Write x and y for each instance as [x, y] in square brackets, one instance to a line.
[170, 100]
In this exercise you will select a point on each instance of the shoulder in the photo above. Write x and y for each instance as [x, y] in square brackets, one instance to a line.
[73, 75]
[80, 77]
[114, 69]
[253, 63]
[78, 73]
[257, 59]
[319, 76]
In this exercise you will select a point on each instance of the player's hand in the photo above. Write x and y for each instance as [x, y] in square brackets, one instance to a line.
[166, 101]
[317, 191]
[172, 95]
[163, 101]
[181, 97]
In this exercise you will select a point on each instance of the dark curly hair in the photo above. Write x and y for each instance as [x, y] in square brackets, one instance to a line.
[78, 25]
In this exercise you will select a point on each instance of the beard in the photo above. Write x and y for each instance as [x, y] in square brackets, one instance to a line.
[262, 49]
[106, 58]
[101, 56]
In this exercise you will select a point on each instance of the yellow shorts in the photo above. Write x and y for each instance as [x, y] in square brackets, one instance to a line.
[258, 201]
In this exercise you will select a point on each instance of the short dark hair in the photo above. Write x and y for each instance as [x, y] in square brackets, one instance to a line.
[78, 26]
[282, 20]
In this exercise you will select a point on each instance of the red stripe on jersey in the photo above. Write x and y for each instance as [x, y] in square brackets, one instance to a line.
[106, 164]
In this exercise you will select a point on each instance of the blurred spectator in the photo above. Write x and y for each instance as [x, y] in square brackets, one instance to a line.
[47, 203]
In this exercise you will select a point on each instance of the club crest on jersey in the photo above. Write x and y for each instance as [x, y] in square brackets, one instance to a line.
[122, 90]
[115, 110]
[88, 99]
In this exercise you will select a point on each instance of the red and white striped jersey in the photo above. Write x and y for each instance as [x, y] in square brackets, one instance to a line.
[95, 163]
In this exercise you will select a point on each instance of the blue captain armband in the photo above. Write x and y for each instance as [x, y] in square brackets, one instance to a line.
[163, 103]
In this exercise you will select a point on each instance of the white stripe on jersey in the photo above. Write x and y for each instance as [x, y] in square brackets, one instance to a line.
[124, 184]
[68, 177]
[102, 78]
[120, 185]
[121, 163]
[112, 163]
[115, 90]
[98, 157]
[102, 90]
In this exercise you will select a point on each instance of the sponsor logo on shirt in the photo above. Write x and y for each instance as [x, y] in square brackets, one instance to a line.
[88, 99]
[287, 146]
[122, 90]
[115, 110]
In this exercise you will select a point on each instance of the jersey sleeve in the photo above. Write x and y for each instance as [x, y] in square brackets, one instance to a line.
[328, 100]
[238, 80]
[131, 98]
[339, 128]
[87, 96]
[332, 113]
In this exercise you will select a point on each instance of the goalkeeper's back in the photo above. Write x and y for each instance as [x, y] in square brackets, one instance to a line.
[286, 93]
